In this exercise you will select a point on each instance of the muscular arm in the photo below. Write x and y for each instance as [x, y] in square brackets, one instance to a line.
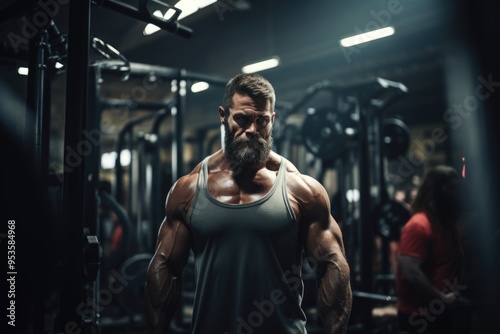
[163, 286]
[324, 245]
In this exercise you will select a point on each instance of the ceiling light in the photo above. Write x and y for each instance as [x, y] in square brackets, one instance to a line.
[367, 37]
[199, 86]
[22, 70]
[261, 65]
[204, 3]
[187, 7]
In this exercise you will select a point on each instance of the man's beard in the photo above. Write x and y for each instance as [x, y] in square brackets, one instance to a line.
[246, 153]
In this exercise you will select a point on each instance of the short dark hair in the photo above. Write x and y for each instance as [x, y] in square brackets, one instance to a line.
[251, 84]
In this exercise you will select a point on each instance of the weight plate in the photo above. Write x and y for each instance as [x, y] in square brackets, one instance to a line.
[389, 218]
[396, 138]
[323, 133]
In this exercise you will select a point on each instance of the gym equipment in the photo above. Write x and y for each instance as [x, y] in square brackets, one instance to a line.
[390, 140]
[133, 274]
[92, 258]
[327, 133]
[75, 185]
[383, 312]
[371, 141]
[142, 13]
[374, 296]
[389, 217]
[138, 191]
[123, 250]
[81, 249]
[79, 203]
[126, 132]
[396, 138]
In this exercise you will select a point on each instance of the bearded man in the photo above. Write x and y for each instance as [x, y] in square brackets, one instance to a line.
[250, 218]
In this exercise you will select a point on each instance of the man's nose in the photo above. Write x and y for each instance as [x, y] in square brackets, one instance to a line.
[252, 128]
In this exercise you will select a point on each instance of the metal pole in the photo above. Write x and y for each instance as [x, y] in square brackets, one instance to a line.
[92, 163]
[366, 234]
[179, 122]
[74, 166]
[35, 114]
[38, 128]
[178, 126]
[126, 9]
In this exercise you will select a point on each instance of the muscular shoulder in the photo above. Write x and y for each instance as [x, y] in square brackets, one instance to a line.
[181, 194]
[303, 186]
[306, 193]
[187, 183]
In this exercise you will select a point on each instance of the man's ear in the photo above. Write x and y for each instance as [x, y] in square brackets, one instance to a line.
[221, 114]
[272, 117]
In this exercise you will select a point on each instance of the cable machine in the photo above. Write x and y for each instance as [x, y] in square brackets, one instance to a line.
[351, 136]
[138, 191]
[79, 186]
[81, 251]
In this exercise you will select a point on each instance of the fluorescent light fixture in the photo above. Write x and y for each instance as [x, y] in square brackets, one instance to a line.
[59, 65]
[187, 7]
[261, 65]
[367, 37]
[204, 3]
[199, 86]
[22, 70]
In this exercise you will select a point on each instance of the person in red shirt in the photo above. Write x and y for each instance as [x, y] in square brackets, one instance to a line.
[430, 257]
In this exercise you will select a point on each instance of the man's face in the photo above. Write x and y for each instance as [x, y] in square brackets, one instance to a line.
[248, 138]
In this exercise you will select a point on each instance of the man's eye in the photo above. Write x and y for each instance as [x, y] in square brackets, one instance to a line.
[241, 119]
[262, 121]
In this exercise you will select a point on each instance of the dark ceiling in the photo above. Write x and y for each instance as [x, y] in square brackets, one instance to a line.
[305, 35]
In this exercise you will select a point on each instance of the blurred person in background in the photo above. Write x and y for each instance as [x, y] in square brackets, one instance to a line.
[430, 264]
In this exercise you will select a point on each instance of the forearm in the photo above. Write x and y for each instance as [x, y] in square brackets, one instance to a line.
[162, 296]
[335, 297]
[418, 279]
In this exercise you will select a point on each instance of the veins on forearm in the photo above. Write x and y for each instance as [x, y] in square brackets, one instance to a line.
[334, 297]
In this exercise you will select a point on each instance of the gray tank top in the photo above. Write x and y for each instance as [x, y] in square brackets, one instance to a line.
[247, 260]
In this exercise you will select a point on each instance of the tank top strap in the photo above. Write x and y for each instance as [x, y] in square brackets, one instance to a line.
[282, 169]
[279, 187]
[202, 177]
